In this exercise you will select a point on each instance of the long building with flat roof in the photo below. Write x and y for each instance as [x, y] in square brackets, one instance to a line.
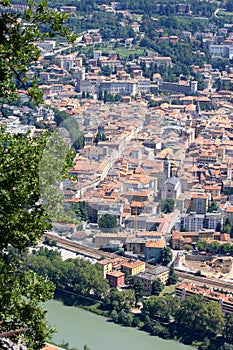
[224, 299]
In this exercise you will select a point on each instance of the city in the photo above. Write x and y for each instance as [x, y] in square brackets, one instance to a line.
[123, 169]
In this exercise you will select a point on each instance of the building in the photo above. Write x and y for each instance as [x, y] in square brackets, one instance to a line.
[106, 266]
[150, 275]
[158, 61]
[47, 45]
[167, 167]
[172, 188]
[153, 249]
[116, 279]
[50, 347]
[135, 245]
[178, 88]
[120, 87]
[223, 51]
[133, 267]
[199, 203]
[69, 9]
[179, 239]
[196, 222]
[69, 62]
[225, 300]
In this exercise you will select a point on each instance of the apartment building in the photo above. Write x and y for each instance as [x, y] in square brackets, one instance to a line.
[151, 274]
[153, 249]
[116, 279]
[133, 267]
[223, 51]
[196, 222]
[225, 300]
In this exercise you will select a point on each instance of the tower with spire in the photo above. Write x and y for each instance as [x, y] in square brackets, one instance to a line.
[166, 167]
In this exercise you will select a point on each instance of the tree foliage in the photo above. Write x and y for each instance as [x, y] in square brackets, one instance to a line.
[107, 221]
[138, 288]
[119, 300]
[228, 330]
[23, 218]
[197, 319]
[172, 278]
[168, 205]
[157, 286]
[74, 275]
[19, 33]
[161, 308]
[213, 206]
[165, 256]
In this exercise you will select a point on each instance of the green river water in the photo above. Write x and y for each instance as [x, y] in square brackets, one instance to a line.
[79, 327]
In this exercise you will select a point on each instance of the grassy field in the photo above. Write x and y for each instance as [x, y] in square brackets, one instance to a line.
[225, 14]
[168, 290]
[122, 51]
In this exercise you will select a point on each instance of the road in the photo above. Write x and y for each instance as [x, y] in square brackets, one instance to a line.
[216, 12]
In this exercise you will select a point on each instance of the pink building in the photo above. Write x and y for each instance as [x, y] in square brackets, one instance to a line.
[116, 278]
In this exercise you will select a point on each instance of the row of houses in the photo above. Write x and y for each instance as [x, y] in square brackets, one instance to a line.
[115, 270]
[225, 300]
[179, 239]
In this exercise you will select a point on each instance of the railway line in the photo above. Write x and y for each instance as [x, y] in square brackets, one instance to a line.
[79, 248]
[212, 283]
[99, 254]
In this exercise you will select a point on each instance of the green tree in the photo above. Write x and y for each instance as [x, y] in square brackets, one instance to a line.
[75, 275]
[148, 325]
[100, 95]
[114, 316]
[172, 278]
[229, 6]
[23, 220]
[86, 347]
[168, 205]
[205, 344]
[157, 286]
[188, 247]
[161, 308]
[197, 319]
[202, 245]
[228, 328]
[226, 346]
[100, 137]
[225, 248]
[213, 206]
[138, 289]
[107, 221]
[80, 210]
[106, 70]
[18, 34]
[79, 143]
[122, 300]
[214, 246]
[165, 256]
[227, 229]
[218, 227]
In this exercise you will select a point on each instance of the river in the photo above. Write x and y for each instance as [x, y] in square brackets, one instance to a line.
[79, 327]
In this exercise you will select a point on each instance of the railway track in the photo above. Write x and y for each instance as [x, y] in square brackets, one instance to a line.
[99, 254]
[205, 281]
[79, 248]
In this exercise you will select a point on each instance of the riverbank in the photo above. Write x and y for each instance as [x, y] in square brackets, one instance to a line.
[88, 304]
[139, 322]
[79, 327]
